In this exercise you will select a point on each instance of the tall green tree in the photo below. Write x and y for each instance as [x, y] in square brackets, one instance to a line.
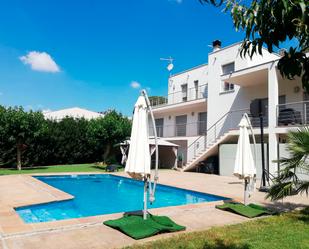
[270, 23]
[289, 180]
[108, 131]
[21, 127]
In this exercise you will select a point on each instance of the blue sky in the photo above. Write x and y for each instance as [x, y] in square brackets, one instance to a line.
[56, 54]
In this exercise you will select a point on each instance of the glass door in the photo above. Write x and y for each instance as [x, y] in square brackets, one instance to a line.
[181, 125]
[202, 123]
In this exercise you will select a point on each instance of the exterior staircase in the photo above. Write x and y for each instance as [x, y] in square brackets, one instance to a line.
[207, 145]
[210, 150]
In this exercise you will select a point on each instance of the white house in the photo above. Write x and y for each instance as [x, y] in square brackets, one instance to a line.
[204, 105]
[74, 112]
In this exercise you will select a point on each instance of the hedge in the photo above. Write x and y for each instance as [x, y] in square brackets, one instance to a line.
[27, 139]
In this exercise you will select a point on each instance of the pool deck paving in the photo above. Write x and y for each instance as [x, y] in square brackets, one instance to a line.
[89, 232]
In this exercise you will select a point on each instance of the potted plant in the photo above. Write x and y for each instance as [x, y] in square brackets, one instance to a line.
[180, 160]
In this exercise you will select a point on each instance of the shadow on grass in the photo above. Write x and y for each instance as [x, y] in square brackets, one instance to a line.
[304, 215]
[220, 244]
[283, 206]
[99, 167]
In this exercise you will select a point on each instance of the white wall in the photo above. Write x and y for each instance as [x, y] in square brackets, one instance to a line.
[260, 59]
[227, 154]
[188, 77]
[219, 103]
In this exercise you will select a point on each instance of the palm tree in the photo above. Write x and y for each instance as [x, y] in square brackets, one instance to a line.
[288, 181]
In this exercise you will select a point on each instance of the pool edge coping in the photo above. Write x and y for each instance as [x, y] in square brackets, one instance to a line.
[84, 221]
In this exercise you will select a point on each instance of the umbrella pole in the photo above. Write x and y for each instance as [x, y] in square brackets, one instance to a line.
[153, 190]
[145, 199]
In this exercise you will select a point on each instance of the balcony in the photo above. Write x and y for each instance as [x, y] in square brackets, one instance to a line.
[293, 114]
[194, 93]
[180, 130]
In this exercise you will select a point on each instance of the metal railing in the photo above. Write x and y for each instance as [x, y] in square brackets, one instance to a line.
[193, 93]
[294, 114]
[227, 122]
[181, 130]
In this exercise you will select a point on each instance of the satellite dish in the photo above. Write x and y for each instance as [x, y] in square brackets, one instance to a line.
[170, 67]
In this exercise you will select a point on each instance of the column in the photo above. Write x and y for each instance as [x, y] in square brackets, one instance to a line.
[273, 99]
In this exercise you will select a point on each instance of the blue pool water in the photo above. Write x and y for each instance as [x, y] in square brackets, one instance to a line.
[104, 194]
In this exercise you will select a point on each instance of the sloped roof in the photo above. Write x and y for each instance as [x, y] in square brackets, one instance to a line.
[74, 112]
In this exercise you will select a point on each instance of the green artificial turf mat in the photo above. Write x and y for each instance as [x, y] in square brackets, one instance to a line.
[249, 211]
[138, 228]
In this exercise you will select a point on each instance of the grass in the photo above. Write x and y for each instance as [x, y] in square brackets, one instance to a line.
[54, 169]
[285, 231]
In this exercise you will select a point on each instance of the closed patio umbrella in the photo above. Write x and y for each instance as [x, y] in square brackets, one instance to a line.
[139, 157]
[244, 162]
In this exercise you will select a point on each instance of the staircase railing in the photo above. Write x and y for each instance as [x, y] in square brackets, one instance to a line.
[227, 122]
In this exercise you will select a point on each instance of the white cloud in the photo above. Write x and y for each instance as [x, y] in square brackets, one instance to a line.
[135, 84]
[40, 61]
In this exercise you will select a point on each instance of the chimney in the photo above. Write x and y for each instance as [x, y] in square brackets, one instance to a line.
[216, 45]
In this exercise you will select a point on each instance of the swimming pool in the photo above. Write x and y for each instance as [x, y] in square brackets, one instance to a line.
[104, 194]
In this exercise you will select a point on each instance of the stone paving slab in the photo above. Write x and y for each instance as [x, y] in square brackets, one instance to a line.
[89, 232]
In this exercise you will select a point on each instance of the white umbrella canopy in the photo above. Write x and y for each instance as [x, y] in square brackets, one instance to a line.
[139, 157]
[138, 162]
[244, 163]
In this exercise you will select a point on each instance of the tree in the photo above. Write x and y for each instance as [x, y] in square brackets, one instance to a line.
[270, 23]
[113, 128]
[21, 127]
[288, 181]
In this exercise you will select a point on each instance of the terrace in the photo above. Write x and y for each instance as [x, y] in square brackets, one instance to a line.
[181, 130]
[184, 96]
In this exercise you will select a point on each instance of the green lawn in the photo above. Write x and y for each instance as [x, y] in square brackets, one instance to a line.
[55, 169]
[285, 231]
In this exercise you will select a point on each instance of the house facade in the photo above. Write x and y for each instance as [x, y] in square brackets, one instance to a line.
[204, 105]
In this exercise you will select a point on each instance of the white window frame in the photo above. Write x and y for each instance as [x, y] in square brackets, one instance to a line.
[230, 86]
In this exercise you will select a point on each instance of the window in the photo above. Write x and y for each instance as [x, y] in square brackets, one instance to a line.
[227, 86]
[196, 89]
[226, 69]
[181, 125]
[184, 90]
[159, 126]
[202, 123]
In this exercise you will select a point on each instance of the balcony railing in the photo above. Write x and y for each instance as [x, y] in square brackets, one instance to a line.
[293, 114]
[194, 93]
[181, 130]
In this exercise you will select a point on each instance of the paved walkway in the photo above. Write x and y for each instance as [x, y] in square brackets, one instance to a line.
[89, 233]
